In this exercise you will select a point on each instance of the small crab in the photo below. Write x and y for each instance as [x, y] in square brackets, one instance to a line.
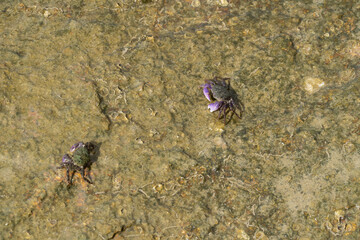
[78, 160]
[225, 96]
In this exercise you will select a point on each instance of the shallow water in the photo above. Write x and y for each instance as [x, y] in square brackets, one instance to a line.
[126, 76]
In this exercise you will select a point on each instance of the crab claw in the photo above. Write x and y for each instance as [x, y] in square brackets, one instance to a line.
[206, 90]
[66, 158]
[214, 106]
[76, 146]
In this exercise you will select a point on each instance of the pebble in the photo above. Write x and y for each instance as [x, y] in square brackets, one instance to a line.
[46, 13]
[241, 234]
[312, 85]
[220, 142]
[223, 3]
[104, 229]
[195, 3]
[259, 235]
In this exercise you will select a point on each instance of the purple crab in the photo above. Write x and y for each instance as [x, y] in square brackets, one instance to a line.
[78, 160]
[226, 97]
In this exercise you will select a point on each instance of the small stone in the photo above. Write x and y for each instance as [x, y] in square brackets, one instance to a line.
[104, 229]
[217, 126]
[241, 234]
[312, 85]
[158, 188]
[46, 13]
[220, 142]
[150, 39]
[339, 214]
[350, 227]
[349, 147]
[259, 235]
[153, 132]
[117, 183]
[120, 211]
[195, 3]
[223, 3]
[212, 220]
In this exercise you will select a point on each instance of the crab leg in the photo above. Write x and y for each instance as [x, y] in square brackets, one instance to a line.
[222, 108]
[89, 176]
[68, 175]
[71, 178]
[233, 108]
[225, 115]
[83, 175]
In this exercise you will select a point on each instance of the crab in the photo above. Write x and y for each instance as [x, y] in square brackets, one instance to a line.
[78, 160]
[219, 89]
